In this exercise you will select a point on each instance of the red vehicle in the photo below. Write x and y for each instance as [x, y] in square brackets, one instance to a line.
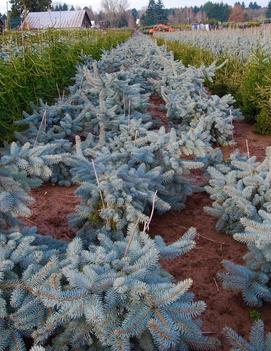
[161, 28]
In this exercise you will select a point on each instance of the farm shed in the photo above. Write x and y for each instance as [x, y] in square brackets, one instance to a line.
[57, 19]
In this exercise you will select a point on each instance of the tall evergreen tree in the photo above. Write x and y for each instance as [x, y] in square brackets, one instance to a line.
[156, 13]
[268, 12]
[254, 5]
[241, 4]
[61, 7]
[161, 12]
[19, 7]
[150, 17]
[134, 14]
[219, 12]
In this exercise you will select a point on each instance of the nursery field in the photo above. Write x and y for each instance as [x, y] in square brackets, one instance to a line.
[135, 214]
[246, 66]
[39, 65]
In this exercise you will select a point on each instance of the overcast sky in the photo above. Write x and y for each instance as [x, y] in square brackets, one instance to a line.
[95, 4]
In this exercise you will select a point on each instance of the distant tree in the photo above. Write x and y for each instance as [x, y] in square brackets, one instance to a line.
[254, 6]
[217, 11]
[115, 12]
[237, 14]
[21, 7]
[122, 20]
[196, 9]
[241, 4]
[268, 12]
[150, 17]
[161, 13]
[3, 17]
[134, 14]
[72, 8]
[60, 7]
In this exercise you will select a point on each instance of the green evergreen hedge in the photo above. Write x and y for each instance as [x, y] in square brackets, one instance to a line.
[45, 67]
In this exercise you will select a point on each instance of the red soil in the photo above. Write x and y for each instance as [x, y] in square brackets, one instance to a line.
[53, 204]
[247, 141]
[224, 307]
[155, 102]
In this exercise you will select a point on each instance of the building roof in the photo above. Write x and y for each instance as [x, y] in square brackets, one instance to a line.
[55, 19]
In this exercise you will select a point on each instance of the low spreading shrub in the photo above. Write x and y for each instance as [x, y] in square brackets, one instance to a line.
[248, 81]
[106, 290]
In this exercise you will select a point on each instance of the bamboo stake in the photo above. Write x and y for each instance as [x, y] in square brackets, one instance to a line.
[43, 120]
[147, 224]
[98, 183]
[129, 108]
[247, 146]
[131, 238]
[232, 134]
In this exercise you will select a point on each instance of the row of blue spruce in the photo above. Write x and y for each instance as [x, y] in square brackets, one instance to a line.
[106, 290]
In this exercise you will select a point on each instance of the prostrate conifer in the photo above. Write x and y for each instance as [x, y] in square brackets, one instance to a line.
[136, 171]
[115, 295]
[257, 339]
[189, 104]
[21, 169]
[106, 289]
[239, 188]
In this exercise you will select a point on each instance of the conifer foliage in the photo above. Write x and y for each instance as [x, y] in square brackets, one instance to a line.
[257, 340]
[21, 169]
[106, 290]
[239, 188]
[242, 202]
[241, 194]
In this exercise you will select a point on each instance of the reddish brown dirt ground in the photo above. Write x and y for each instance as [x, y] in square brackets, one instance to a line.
[248, 141]
[51, 209]
[224, 307]
[155, 102]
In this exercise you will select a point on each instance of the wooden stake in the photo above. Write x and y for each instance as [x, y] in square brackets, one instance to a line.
[217, 287]
[131, 238]
[248, 153]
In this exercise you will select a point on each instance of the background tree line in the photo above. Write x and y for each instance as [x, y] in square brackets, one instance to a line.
[209, 12]
[116, 13]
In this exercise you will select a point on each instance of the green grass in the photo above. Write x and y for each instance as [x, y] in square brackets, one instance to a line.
[45, 67]
[249, 82]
